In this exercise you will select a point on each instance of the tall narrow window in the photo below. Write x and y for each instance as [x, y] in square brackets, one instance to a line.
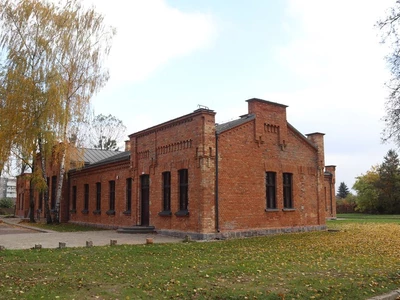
[183, 189]
[74, 198]
[270, 185]
[40, 206]
[86, 199]
[287, 190]
[166, 182]
[112, 196]
[53, 191]
[98, 197]
[128, 194]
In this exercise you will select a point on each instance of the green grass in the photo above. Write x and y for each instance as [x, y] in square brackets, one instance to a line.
[368, 218]
[64, 227]
[357, 262]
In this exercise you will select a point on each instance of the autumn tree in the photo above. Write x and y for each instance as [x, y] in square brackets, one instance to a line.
[52, 65]
[367, 191]
[84, 43]
[378, 191]
[389, 183]
[27, 83]
[343, 191]
[390, 30]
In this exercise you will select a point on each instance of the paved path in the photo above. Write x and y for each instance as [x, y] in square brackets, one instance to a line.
[21, 236]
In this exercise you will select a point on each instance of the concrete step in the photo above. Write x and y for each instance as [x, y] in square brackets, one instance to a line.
[137, 229]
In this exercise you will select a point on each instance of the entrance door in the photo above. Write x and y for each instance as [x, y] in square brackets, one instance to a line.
[145, 199]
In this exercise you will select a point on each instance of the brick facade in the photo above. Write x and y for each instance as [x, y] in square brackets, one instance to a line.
[190, 176]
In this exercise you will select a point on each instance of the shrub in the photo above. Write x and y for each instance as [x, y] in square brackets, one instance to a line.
[6, 203]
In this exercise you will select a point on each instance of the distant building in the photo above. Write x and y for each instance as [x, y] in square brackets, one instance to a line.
[190, 176]
[8, 188]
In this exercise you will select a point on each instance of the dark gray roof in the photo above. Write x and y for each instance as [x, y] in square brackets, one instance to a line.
[228, 125]
[91, 156]
[118, 157]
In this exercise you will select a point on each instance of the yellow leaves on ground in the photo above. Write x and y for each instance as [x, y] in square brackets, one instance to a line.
[356, 262]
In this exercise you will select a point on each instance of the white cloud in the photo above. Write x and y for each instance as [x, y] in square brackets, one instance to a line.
[334, 51]
[149, 34]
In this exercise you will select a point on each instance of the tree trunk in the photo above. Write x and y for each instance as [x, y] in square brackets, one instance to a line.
[60, 185]
[32, 198]
[47, 211]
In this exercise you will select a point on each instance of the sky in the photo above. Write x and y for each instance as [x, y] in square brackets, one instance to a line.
[322, 58]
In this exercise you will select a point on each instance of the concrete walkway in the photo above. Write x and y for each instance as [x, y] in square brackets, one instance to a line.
[14, 235]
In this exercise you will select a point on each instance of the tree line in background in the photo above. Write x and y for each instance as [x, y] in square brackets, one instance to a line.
[378, 190]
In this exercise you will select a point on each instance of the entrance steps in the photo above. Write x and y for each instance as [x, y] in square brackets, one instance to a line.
[137, 229]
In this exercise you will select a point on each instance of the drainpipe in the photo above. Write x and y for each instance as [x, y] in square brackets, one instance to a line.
[330, 193]
[216, 184]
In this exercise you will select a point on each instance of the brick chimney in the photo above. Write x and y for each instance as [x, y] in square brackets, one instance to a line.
[317, 138]
[127, 145]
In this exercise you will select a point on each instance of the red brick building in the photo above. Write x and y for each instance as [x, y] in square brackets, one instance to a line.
[189, 176]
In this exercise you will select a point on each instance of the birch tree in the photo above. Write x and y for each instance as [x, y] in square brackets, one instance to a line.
[52, 65]
[84, 43]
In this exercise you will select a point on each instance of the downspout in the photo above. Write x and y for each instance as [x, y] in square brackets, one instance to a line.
[330, 193]
[216, 184]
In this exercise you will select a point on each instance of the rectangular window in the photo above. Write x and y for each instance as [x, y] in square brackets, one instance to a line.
[183, 189]
[53, 191]
[40, 206]
[86, 200]
[166, 181]
[287, 190]
[74, 197]
[270, 185]
[128, 194]
[98, 196]
[112, 195]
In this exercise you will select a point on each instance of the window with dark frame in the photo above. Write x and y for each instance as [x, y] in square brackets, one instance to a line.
[53, 191]
[166, 180]
[270, 186]
[287, 190]
[128, 194]
[74, 198]
[41, 195]
[183, 189]
[98, 196]
[86, 199]
[112, 195]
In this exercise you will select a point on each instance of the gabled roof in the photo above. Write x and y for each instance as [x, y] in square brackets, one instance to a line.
[299, 134]
[96, 157]
[228, 125]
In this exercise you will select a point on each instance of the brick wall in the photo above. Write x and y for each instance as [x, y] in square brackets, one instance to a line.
[262, 141]
[267, 144]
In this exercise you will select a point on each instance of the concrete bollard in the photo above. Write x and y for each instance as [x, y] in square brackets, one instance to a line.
[62, 245]
[38, 246]
[149, 241]
[89, 244]
[2, 248]
[113, 242]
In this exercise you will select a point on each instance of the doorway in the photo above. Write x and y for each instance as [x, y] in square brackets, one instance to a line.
[145, 199]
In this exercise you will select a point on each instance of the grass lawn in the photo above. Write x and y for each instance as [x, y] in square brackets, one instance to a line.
[360, 260]
[366, 218]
